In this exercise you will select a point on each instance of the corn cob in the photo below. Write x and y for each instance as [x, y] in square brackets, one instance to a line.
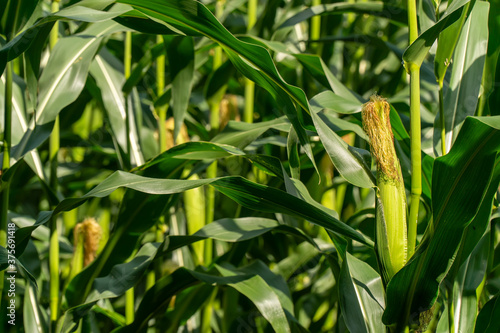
[391, 233]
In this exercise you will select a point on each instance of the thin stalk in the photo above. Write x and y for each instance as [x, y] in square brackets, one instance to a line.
[441, 118]
[207, 313]
[162, 111]
[129, 306]
[316, 28]
[54, 145]
[5, 166]
[415, 133]
[162, 137]
[127, 63]
[249, 84]
[415, 140]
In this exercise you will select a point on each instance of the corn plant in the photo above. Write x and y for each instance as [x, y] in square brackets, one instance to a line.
[249, 166]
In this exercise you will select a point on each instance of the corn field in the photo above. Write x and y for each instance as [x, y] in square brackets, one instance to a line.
[244, 166]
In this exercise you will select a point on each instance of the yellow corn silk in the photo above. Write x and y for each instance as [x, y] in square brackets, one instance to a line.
[391, 232]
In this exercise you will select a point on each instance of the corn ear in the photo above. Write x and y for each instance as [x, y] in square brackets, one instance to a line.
[391, 229]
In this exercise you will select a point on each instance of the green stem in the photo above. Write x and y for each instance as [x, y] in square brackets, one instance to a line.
[415, 138]
[54, 145]
[316, 28]
[249, 84]
[441, 118]
[415, 132]
[127, 63]
[129, 306]
[160, 86]
[5, 166]
[162, 137]
[252, 14]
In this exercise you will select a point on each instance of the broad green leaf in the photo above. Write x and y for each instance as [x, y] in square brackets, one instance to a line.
[180, 52]
[240, 134]
[32, 319]
[446, 45]
[362, 298]
[320, 71]
[340, 125]
[469, 165]
[20, 125]
[443, 325]
[252, 195]
[329, 100]
[347, 160]
[470, 276]
[476, 229]
[23, 40]
[377, 8]
[121, 278]
[253, 286]
[15, 14]
[417, 51]
[267, 291]
[426, 14]
[107, 70]
[271, 200]
[158, 297]
[487, 319]
[61, 83]
[233, 230]
[491, 69]
[251, 60]
[461, 96]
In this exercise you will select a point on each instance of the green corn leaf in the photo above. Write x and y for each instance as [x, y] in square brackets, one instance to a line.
[180, 51]
[251, 60]
[377, 8]
[460, 97]
[61, 83]
[120, 278]
[362, 298]
[417, 51]
[85, 10]
[470, 276]
[486, 320]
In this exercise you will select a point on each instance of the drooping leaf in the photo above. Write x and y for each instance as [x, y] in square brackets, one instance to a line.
[267, 291]
[107, 70]
[347, 160]
[121, 278]
[362, 298]
[15, 15]
[61, 83]
[377, 8]
[85, 10]
[417, 51]
[486, 320]
[251, 60]
[470, 276]
[461, 95]
[180, 52]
